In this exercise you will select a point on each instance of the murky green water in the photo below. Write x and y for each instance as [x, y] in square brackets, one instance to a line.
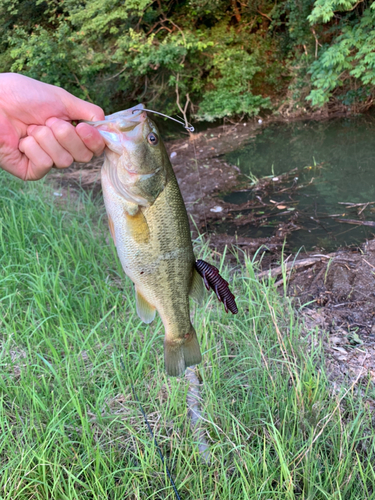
[345, 151]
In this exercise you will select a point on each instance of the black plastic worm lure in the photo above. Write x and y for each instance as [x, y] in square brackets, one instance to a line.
[212, 279]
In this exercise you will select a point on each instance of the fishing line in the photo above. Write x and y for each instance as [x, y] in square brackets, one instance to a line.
[188, 127]
[152, 435]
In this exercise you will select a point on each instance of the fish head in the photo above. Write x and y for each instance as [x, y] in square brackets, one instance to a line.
[137, 162]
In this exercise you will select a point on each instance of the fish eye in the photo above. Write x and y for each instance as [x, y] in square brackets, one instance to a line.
[152, 139]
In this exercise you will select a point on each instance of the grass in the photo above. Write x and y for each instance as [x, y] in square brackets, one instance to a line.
[69, 426]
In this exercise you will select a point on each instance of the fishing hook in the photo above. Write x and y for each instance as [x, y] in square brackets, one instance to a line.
[188, 127]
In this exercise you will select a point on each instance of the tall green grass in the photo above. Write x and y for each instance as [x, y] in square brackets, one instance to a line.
[69, 425]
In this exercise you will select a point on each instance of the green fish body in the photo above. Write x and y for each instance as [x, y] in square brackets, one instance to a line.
[150, 228]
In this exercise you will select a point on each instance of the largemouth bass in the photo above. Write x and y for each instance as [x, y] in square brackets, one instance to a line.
[149, 225]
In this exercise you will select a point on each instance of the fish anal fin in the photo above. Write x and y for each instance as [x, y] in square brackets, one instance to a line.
[112, 229]
[144, 309]
[197, 287]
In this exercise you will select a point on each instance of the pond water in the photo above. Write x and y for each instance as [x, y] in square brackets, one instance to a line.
[334, 162]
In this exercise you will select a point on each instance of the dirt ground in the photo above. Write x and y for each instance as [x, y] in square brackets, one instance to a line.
[339, 288]
[340, 291]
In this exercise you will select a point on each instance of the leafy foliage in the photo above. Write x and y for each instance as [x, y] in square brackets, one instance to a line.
[114, 52]
[324, 10]
[222, 57]
[349, 61]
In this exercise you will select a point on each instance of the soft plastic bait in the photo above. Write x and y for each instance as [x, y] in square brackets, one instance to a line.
[212, 279]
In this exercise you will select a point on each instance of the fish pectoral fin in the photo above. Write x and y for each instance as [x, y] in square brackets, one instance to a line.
[137, 227]
[197, 287]
[144, 309]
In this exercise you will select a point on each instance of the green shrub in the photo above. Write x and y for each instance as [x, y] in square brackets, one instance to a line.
[224, 57]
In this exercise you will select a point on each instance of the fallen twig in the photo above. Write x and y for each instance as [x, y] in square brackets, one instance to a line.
[357, 222]
[247, 206]
[369, 263]
[363, 208]
[293, 265]
[251, 243]
[353, 205]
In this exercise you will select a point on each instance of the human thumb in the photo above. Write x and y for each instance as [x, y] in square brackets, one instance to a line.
[78, 109]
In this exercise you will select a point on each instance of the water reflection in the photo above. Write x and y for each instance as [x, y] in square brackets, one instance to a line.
[345, 149]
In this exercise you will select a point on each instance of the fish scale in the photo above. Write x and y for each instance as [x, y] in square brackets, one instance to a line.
[150, 228]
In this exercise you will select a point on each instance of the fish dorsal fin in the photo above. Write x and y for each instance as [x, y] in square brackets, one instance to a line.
[144, 309]
[197, 287]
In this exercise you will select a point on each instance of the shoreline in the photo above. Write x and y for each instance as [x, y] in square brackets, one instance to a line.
[198, 160]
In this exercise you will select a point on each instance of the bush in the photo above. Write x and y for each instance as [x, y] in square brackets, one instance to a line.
[224, 57]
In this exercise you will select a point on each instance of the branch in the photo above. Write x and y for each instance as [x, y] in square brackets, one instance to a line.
[182, 111]
[264, 15]
[354, 6]
[82, 87]
[294, 265]
[236, 10]
[114, 76]
[357, 222]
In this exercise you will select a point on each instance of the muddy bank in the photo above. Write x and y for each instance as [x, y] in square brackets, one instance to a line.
[337, 295]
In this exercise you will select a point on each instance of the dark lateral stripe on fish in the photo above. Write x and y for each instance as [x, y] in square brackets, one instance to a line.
[212, 279]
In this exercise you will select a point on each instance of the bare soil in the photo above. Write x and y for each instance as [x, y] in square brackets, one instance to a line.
[340, 291]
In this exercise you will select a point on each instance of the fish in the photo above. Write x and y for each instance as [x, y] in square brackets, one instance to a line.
[150, 229]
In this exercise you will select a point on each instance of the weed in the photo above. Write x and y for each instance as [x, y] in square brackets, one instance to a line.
[69, 425]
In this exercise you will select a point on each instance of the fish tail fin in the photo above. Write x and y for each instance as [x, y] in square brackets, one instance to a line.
[192, 352]
[178, 355]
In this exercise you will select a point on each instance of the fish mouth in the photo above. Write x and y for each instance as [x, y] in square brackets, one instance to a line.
[121, 127]
[128, 119]
[122, 121]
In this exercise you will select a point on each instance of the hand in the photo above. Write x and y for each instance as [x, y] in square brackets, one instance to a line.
[35, 128]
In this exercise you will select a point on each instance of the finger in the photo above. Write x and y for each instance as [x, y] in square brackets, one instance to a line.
[47, 141]
[68, 138]
[78, 109]
[16, 164]
[91, 138]
[36, 163]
